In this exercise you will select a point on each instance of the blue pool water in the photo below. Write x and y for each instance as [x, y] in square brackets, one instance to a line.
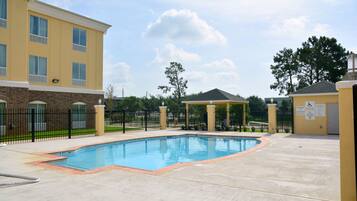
[154, 153]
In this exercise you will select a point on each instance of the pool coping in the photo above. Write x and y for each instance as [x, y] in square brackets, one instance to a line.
[51, 157]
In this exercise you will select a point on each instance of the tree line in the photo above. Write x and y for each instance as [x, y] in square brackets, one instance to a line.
[318, 59]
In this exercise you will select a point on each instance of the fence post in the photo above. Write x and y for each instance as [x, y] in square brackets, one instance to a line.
[211, 118]
[123, 121]
[272, 118]
[146, 120]
[163, 117]
[33, 125]
[99, 120]
[69, 124]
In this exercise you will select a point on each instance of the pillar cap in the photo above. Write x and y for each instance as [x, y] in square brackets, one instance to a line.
[162, 107]
[345, 84]
[99, 106]
[271, 104]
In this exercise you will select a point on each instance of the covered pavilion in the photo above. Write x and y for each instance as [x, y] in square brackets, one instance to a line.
[216, 97]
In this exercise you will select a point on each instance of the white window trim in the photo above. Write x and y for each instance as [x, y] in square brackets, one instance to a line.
[79, 103]
[79, 45]
[38, 102]
[35, 35]
[78, 79]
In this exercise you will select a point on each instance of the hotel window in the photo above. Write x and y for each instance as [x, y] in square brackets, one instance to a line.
[3, 13]
[38, 29]
[79, 74]
[39, 109]
[37, 69]
[79, 115]
[2, 60]
[79, 39]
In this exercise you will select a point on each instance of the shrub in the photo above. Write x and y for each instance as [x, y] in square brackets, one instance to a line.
[235, 128]
[244, 129]
[287, 130]
[253, 129]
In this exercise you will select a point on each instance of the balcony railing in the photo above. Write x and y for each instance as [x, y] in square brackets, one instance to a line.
[3, 23]
[38, 39]
[2, 71]
[80, 48]
[79, 82]
[38, 78]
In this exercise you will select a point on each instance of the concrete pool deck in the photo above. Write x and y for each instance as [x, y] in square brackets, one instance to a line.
[289, 167]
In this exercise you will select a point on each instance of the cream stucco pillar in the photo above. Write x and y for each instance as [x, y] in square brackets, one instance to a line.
[272, 118]
[211, 118]
[99, 119]
[347, 146]
[228, 115]
[244, 115]
[163, 117]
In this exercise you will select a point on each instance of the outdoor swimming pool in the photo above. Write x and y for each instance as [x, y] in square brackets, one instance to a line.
[154, 153]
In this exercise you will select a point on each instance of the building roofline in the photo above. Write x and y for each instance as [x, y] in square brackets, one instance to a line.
[315, 94]
[65, 15]
[213, 101]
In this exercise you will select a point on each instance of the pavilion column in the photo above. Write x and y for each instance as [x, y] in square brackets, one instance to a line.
[244, 115]
[211, 118]
[228, 116]
[187, 116]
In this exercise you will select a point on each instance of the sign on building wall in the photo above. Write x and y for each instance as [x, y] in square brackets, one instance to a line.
[311, 110]
[300, 110]
[320, 110]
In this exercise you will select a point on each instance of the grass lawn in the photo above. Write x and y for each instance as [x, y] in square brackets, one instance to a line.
[60, 133]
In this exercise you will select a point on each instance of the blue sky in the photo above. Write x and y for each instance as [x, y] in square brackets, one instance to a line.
[226, 44]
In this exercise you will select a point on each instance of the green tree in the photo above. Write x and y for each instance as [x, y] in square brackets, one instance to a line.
[284, 69]
[256, 104]
[109, 95]
[177, 84]
[131, 104]
[321, 59]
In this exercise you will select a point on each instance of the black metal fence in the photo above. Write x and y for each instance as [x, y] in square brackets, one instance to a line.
[30, 125]
[133, 119]
[284, 121]
[176, 120]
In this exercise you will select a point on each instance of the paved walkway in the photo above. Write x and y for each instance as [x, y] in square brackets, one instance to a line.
[289, 168]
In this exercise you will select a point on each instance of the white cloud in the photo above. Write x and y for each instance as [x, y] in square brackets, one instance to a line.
[219, 73]
[247, 10]
[185, 26]
[172, 53]
[297, 27]
[220, 65]
[321, 30]
[117, 74]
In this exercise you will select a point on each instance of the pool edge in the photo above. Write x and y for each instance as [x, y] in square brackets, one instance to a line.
[51, 157]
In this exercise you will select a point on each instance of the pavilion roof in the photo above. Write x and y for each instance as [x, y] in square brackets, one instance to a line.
[215, 95]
